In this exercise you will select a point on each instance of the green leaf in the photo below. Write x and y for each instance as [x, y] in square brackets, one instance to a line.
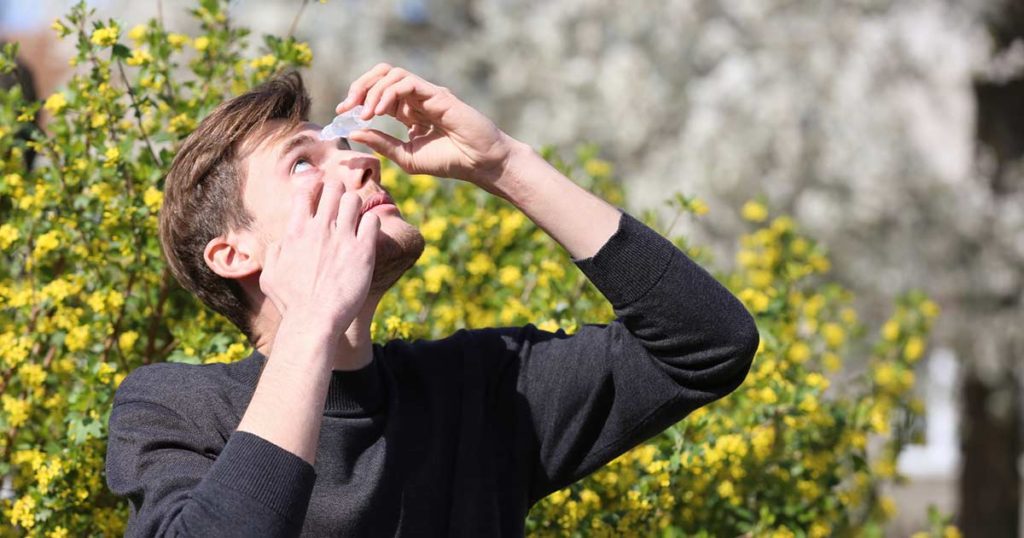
[121, 51]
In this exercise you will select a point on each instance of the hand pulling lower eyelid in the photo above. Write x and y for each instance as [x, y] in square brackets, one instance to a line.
[344, 123]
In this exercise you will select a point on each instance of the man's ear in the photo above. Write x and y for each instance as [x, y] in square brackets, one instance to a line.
[233, 255]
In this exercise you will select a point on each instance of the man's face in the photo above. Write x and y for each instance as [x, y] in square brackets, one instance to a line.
[272, 171]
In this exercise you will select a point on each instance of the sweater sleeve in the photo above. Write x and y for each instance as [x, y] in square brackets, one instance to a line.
[680, 340]
[183, 479]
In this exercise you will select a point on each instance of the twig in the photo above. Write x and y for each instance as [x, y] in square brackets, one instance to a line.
[298, 15]
[154, 320]
[138, 114]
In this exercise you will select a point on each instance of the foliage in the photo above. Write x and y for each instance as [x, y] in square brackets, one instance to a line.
[86, 298]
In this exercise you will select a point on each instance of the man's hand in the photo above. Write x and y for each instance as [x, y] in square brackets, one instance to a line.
[447, 137]
[323, 265]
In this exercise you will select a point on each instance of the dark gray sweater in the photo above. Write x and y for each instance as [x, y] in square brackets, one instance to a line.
[452, 437]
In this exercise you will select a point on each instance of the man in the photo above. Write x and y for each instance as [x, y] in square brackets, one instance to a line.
[325, 433]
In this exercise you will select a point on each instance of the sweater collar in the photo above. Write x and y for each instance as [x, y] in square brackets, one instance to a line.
[351, 393]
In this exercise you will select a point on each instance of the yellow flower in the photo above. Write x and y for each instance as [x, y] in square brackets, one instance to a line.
[816, 380]
[809, 404]
[761, 279]
[746, 258]
[98, 120]
[59, 532]
[548, 325]
[112, 154]
[24, 512]
[46, 243]
[756, 301]
[180, 124]
[139, 57]
[930, 310]
[389, 178]
[55, 103]
[423, 182]
[762, 439]
[127, 340]
[914, 349]
[831, 361]
[16, 410]
[304, 55]
[77, 338]
[879, 418]
[46, 474]
[32, 374]
[153, 198]
[819, 529]
[891, 330]
[820, 263]
[726, 489]
[951, 532]
[598, 168]
[698, 207]
[480, 264]
[509, 275]
[409, 207]
[8, 235]
[177, 40]
[555, 270]
[137, 33]
[435, 275]
[105, 37]
[848, 315]
[201, 43]
[754, 211]
[434, 228]
[59, 28]
[887, 505]
[884, 468]
[104, 372]
[430, 253]
[264, 62]
[799, 352]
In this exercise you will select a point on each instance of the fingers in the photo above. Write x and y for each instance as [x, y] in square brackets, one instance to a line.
[327, 211]
[369, 225]
[348, 213]
[373, 95]
[391, 94]
[374, 91]
[357, 90]
[385, 144]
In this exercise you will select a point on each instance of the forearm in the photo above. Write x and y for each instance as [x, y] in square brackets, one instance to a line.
[579, 220]
[287, 405]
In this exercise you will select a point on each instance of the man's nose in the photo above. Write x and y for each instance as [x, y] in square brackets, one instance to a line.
[356, 169]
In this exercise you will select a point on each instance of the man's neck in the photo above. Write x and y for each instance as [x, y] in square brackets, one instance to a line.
[354, 349]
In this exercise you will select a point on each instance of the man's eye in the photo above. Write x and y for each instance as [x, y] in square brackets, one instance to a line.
[301, 165]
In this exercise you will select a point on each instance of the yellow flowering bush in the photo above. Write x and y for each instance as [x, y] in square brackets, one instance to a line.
[84, 295]
[790, 453]
[85, 298]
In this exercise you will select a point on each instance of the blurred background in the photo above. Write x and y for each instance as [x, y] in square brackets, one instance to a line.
[892, 130]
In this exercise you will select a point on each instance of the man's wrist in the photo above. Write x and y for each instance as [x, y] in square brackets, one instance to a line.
[310, 326]
[508, 181]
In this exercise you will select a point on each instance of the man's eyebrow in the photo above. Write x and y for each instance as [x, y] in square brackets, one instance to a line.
[295, 142]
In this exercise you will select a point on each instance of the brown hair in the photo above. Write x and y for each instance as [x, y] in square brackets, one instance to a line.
[203, 190]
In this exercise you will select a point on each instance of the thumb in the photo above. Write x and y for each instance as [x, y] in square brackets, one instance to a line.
[383, 143]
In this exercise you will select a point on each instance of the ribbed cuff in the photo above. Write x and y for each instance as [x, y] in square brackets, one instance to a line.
[630, 263]
[266, 472]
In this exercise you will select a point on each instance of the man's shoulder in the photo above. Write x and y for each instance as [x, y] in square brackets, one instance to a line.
[171, 382]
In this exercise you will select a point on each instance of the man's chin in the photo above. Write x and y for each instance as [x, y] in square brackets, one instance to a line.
[399, 246]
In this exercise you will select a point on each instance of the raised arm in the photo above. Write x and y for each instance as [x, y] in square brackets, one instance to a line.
[680, 341]
[163, 453]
